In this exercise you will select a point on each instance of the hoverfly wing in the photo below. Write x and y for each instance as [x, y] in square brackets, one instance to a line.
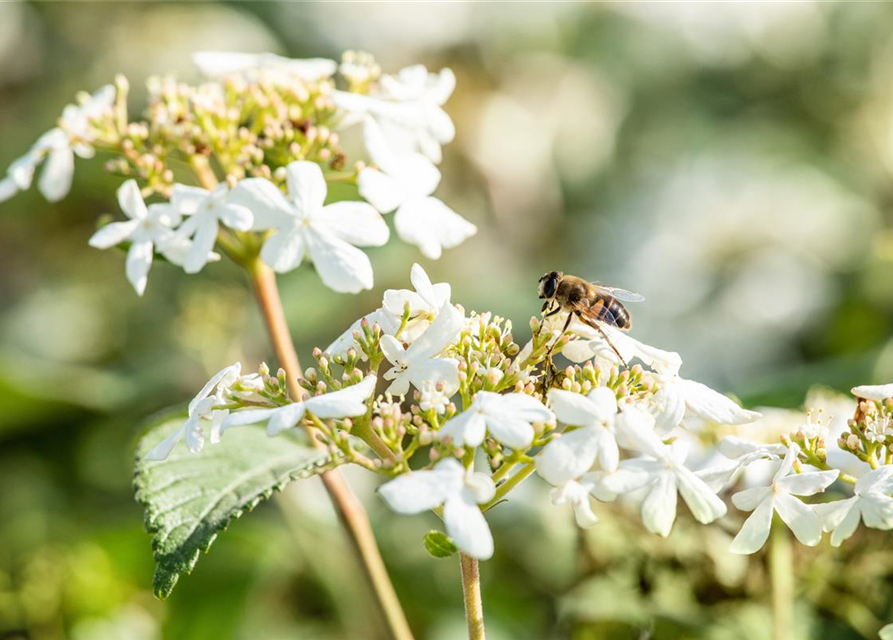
[622, 294]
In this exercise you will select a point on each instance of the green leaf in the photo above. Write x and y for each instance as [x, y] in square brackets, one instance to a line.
[189, 498]
[439, 544]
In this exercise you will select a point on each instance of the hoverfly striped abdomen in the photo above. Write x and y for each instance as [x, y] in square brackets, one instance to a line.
[609, 310]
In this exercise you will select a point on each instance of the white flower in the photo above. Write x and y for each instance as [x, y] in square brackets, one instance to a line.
[574, 452]
[57, 147]
[433, 397]
[424, 303]
[779, 497]
[577, 494]
[507, 417]
[886, 632]
[405, 183]
[348, 402]
[428, 298]
[253, 66]
[149, 229]
[460, 491]
[201, 410]
[662, 472]
[418, 364]
[206, 210]
[330, 234]
[871, 503]
[742, 453]
[408, 110]
[876, 392]
[678, 397]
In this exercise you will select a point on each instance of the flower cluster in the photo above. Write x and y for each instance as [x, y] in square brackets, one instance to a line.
[261, 137]
[455, 414]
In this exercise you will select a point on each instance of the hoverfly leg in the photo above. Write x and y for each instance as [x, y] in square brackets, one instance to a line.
[611, 344]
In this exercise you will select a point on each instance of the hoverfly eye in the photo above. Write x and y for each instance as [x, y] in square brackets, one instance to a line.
[550, 285]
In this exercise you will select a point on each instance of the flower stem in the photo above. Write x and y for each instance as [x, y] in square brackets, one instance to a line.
[510, 484]
[781, 574]
[471, 589]
[351, 512]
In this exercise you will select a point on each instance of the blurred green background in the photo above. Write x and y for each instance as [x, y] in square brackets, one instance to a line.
[731, 162]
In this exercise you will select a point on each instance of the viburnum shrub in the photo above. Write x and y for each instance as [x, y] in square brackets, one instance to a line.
[437, 400]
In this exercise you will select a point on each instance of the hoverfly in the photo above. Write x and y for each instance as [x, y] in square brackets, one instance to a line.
[592, 303]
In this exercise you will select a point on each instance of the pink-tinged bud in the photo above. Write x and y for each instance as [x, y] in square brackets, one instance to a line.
[347, 424]
[434, 454]
[351, 353]
[852, 442]
[425, 438]
[323, 363]
[317, 352]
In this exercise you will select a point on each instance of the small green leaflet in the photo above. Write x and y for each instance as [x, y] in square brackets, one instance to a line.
[439, 544]
[189, 498]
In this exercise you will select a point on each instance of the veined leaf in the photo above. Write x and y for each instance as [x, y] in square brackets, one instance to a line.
[189, 498]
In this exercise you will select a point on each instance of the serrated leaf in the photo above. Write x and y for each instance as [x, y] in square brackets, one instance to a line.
[439, 544]
[190, 498]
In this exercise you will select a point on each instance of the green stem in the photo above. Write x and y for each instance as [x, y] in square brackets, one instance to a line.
[471, 590]
[510, 484]
[781, 573]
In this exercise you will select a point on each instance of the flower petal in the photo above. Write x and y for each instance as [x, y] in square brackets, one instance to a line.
[877, 510]
[131, 201]
[808, 483]
[876, 392]
[568, 457]
[432, 226]
[202, 244]
[57, 173]
[113, 234]
[422, 490]
[138, 263]
[512, 431]
[659, 507]
[306, 186]
[750, 499]
[446, 326]
[574, 409]
[284, 251]
[356, 222]
[800, 517]
[163, 449]
[468, 528]
[347, 402]
[266, 202]
[235, 216]
[704, 504]
[755, 531]
[8, 188]
[341, 266]
[382, 191]
[707, 403]
[467, 428]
